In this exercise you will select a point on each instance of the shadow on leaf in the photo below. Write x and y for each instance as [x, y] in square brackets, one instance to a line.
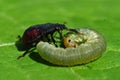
[36, 57]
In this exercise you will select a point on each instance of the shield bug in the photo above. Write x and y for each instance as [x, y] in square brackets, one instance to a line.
[40, 32]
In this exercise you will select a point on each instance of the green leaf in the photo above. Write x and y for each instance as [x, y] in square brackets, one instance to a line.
[17, 15]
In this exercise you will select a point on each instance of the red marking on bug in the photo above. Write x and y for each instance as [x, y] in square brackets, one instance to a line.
[31, 35]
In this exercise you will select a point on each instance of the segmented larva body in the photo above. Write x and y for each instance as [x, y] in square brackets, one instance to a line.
[91, 49]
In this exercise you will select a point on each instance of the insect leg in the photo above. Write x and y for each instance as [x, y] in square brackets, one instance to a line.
[60, 33]
[22, 54]
[53, 40]
[73, 30]
[26, 52]
[48, 40]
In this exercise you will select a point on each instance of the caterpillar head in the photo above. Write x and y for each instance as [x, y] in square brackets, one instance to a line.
[72, 40]
[69, 42]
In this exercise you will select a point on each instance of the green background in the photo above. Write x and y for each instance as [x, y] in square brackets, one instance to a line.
[17, 15]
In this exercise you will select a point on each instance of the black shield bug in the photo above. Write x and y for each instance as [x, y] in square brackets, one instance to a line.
[40, 32]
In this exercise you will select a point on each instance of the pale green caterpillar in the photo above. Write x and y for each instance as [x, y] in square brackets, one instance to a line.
[91, 49]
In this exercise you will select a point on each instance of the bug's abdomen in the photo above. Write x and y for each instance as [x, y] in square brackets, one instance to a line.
[88, 51]
[31, 35]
